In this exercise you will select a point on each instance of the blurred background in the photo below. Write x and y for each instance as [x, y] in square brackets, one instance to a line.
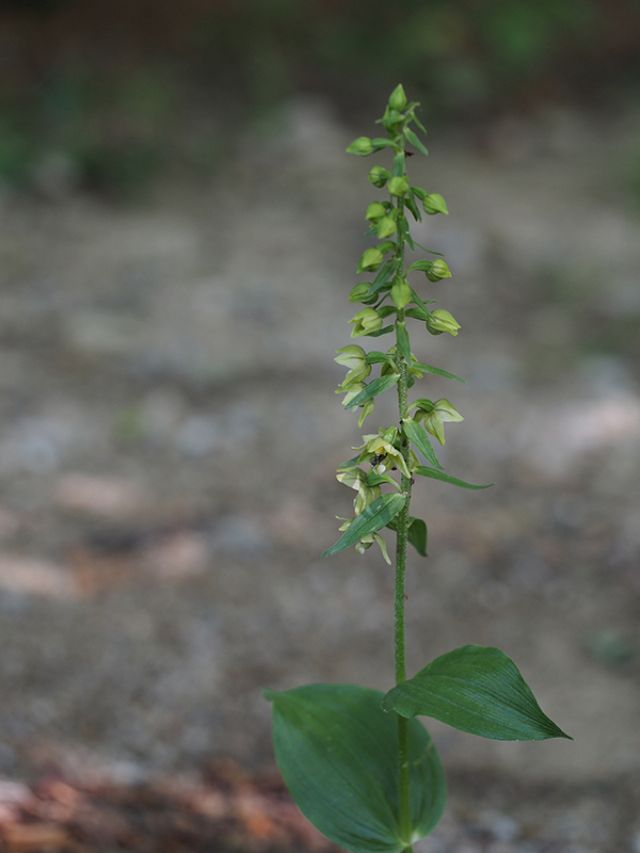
[179, 232]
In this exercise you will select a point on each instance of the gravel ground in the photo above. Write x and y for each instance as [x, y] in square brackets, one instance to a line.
[169, 433]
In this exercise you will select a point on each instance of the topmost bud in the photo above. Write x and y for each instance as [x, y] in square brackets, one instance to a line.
[398, 98]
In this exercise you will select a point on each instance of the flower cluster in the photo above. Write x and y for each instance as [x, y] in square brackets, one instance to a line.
[390, 295]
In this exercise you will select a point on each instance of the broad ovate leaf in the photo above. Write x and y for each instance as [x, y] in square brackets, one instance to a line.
[337, 751]
[476, 689]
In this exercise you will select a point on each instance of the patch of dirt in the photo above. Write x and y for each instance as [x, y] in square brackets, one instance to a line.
[168, 439]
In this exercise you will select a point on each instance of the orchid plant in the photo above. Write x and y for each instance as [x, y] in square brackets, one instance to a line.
[357, 762]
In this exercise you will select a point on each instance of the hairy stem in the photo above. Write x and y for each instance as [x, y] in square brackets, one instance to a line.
[400, 663]
[402, 527]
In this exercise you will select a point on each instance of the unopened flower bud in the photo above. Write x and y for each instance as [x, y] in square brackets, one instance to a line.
[360, 292]
[398, 186]
[401, 293]
[361, 146]
[434, 203]
[378, 176]
[371, 259]
[386, 227]
[391, 119]
[440, 321]
[386, 246]
[437, 270]
[398, 98]
[364, 322]
[375, 211]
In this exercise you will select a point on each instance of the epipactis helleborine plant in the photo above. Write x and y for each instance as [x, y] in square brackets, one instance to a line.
[357, 762]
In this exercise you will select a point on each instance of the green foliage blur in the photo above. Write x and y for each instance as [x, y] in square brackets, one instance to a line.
[121, 91]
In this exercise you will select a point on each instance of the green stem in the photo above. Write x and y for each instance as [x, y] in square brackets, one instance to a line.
[402, 528]
[399, 630]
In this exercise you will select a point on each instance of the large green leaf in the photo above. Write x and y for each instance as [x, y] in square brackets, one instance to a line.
[478, 690]
[417, 435]
[373, 389]
[376, 516]
[437, 474]
[337, 751]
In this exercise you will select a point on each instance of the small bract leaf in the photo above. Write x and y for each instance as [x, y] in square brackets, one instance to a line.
[376, 516]
[418, 535]
[436, 474]
[414, 140]
[384, 331]
[398, 164]
[377, 386]
[338, 754]
[417, 435]
[384, 275]
[380, 142]
[437, 371]
[415, 211]
[475, 689]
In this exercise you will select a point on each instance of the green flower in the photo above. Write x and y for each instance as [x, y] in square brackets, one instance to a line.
[355, 359]
[364, 322]
[433, 416]
[351, 356]
[355, 478]
[382, 454]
